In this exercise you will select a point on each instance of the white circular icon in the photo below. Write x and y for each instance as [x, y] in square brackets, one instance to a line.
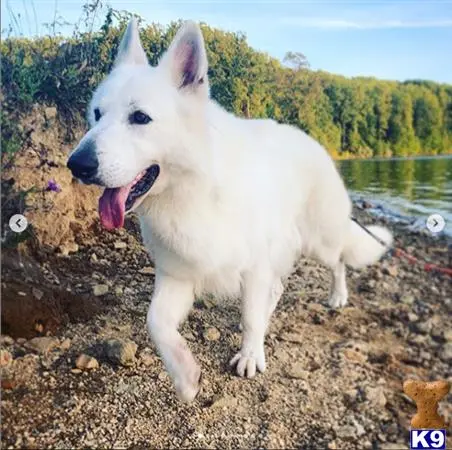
[436, 223]
[18, 223]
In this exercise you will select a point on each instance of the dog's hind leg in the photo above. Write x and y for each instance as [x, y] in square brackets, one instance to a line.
[170, 304]
[259, 301]
[338, 293]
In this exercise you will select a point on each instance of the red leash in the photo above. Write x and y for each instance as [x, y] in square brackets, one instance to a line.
[398, 252]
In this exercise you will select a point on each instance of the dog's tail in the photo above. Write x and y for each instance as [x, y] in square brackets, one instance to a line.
[365, 247]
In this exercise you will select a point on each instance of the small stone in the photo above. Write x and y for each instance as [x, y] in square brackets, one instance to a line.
[100, 289]
[446, 354]
[391, 270]
[448, 335]
[21, 294]
[21, 341]
[351, 396]
[119, 245]
[50, 112]
[6, 340]
[121, 352]
[147, 357]
[376, 396]
[76, 371]
[346, 432]
[37, 294]
[413, 317]
[69, 247]
[423, 327]
[332, 445]
[86, 362]
[355, 356]
[162, 376]
[407, 299]
[42, 344]
[93, 258]
[225, 402]
[149, 270]
[211, 334]
[5, 358]
[208, 301]
[66, 344]
[119, 290]
[297, 370]
[292, 337]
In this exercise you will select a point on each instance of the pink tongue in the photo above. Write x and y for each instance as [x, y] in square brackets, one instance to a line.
[112, 206]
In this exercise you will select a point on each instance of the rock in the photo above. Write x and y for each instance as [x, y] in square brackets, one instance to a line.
[121, 352]
[42, 344]
[66, 249]
[208, 301]
[119, 245]
[332, 445]
[391, 270]
[149, 270]
[100, 289]
[147, 357]
[76, 371]
[375, 396]
[86, 362]
[346, 432]
[351, 396]
[292, 337]
[225, 402]
[407, 299]
[423, 327]
[93, 258]
[211, 334]
[6, 340]
[119, 290]
[297, 370]
[5, 358]
[37, 294]
[413, 317]
[446, 353]
[355, 356]
[66, 344]
[50, 112]
[448, 335]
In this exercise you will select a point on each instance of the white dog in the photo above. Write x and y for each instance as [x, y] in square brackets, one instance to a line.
[226, 205]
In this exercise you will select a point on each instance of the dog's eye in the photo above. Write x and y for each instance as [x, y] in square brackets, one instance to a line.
[97, 115]
[139, 118]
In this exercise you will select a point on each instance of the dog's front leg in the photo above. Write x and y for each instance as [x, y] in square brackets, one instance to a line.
[170, 304]
[257, 305]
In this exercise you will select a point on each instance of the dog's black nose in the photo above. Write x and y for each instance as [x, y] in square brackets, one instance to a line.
[83, 163]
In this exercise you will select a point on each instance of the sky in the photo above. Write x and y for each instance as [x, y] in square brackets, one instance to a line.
[388, 39]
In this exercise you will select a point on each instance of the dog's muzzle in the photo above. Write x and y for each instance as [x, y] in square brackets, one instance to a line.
[83, 163]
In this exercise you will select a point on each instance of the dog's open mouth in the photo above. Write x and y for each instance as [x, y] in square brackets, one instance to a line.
[116, 201]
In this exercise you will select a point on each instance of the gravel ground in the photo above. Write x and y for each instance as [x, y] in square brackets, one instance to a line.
[334, 378]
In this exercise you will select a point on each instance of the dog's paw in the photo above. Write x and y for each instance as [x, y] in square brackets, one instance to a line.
[246, 363]
[337, 300]
[188, 386]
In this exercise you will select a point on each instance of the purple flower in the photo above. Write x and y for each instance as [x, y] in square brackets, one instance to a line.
[53, 186]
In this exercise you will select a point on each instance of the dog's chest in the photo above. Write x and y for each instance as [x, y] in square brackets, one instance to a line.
[195, 246]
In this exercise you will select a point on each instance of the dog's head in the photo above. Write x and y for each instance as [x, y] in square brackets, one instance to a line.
[145, 122]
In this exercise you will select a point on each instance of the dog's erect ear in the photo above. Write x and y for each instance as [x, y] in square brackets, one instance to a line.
[130, 49]
[186, 59]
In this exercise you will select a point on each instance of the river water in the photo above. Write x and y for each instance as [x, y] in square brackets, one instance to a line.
[407, 189]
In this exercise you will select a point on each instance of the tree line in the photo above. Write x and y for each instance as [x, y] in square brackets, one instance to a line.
[351, 117]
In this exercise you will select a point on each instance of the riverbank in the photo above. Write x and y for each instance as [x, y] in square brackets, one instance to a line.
[333, 380]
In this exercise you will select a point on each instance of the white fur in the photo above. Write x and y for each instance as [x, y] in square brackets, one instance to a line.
[236, 203]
